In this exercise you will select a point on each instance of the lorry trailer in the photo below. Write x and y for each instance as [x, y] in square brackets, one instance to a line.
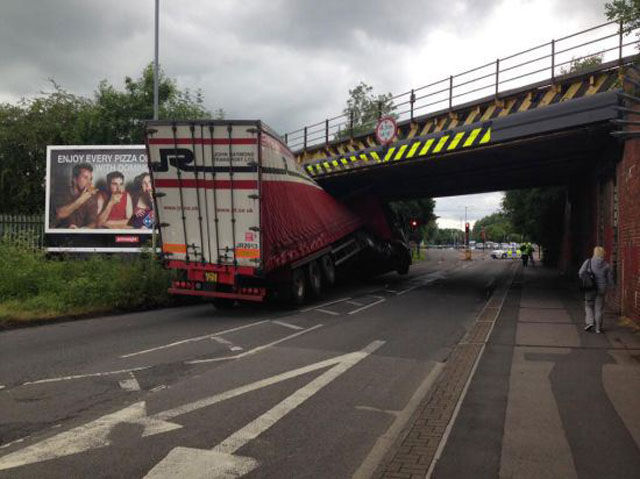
[239, 219]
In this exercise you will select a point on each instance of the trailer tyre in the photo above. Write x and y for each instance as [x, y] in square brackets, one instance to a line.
[298, 286]
[328, 270]
[314, 276]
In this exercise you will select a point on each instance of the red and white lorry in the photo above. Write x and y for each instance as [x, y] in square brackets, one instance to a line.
[239, 219]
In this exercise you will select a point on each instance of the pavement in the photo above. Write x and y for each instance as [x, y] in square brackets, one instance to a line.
[528, 393]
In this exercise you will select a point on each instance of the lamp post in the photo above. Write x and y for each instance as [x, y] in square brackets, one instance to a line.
[154, 238]
[155, 64]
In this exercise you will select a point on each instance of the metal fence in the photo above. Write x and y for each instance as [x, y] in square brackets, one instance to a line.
[608, 42]
[28, 229]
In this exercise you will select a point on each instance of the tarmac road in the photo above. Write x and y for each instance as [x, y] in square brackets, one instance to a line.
[321, 391]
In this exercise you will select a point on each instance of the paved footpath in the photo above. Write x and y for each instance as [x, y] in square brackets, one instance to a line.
[529, 394]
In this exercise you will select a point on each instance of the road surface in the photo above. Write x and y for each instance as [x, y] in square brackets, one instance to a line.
[321, 391]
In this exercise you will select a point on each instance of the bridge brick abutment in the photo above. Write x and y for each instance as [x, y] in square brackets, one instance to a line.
[603, 208]
[628, 181]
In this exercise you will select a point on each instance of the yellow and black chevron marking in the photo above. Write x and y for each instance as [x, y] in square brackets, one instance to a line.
[416, 148]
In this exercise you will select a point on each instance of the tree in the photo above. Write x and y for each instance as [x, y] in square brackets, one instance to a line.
[538, 214]
[25, 131]
[420, 210]
[119, 116]
[449, 236]
[582, 64]
[626, 12]
[497, 227]
[59, 117]
[363, 110]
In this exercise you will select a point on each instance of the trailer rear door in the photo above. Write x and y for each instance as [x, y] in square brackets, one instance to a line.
[207, 185]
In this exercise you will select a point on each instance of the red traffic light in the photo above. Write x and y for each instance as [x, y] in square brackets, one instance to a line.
[413, 223]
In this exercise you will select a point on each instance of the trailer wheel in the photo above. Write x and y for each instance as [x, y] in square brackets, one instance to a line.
[328, 269]
[314, 276]
[223, 303]
[298, 286]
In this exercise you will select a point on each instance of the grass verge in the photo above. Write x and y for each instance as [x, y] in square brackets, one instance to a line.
[34, 287]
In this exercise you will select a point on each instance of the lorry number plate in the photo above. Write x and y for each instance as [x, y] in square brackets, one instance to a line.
[211, 277]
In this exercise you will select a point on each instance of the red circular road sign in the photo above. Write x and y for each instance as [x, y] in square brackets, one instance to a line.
[386, 130]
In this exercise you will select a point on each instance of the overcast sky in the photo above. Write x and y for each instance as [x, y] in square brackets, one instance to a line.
[287, 62]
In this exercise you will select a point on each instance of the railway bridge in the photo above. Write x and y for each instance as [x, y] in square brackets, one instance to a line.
[565, 113]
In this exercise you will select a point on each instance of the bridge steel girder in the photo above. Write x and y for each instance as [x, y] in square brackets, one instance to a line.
[575, 102]
[535, 148]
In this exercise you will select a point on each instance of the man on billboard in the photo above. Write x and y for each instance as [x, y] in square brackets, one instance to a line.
[115, 206]
[76, 206]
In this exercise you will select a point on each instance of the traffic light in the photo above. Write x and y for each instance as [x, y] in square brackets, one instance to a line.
[413, 223]
[466, 234]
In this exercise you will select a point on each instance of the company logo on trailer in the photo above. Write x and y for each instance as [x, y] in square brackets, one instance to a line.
[183, 159]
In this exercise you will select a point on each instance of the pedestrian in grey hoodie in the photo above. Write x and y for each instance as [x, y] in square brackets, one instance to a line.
[594, 300]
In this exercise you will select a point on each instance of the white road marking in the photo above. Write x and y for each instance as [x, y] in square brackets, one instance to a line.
[191, 340]
[287, 325]
[227, 343]
[17, 441]
[184, 462]
[130, 384]
[82, 376]
[367, 306]
[423, 283]
[375, 409]
[202, 464]
[96, 434]
[400, 293]
[92, 435]
[323, 305]
[386, 441]
[254, 350]
[158, 388]
[327, 311]
[353, 303]
[2, 386]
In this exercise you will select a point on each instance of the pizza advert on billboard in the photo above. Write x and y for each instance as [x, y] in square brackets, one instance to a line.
[98, 189]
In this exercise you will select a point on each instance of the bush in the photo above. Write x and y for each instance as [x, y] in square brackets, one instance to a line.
[34, 286]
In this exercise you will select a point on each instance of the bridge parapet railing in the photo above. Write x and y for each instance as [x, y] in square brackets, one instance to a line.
[541, 63]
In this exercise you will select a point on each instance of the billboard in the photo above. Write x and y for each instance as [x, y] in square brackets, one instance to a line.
[98, 199]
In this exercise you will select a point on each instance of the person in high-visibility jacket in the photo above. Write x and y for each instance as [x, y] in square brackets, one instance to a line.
[524, 254]
[530, 253]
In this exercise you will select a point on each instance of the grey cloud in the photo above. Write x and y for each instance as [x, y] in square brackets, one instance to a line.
[290, 62]
[315, 25]
[68, 40]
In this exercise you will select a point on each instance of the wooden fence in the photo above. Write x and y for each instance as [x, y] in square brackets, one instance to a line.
[25, 228]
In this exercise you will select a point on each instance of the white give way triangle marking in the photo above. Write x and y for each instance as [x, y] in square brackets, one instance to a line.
[189, 462]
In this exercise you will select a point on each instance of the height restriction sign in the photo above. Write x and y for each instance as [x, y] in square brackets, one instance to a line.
[386, 130]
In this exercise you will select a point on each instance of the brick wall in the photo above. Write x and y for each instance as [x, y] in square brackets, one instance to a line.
[628, 181]
[580, 230]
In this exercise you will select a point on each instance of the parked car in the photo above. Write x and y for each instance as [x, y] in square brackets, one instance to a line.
[506, 253]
